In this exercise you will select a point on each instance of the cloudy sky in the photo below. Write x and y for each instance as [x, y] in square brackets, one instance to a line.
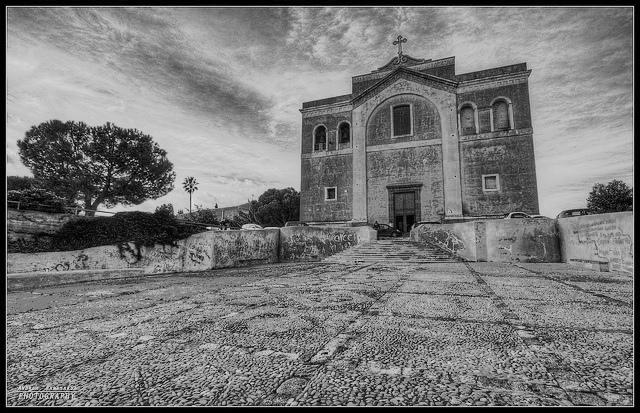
[220, 88]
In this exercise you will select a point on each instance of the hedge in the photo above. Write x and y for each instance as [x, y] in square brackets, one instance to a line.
[142, 228]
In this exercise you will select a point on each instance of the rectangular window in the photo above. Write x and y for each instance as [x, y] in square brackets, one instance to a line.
[401, 120]
[330, 193]
[490, 183]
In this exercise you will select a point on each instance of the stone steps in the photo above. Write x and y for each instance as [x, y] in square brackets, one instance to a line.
[397, 251]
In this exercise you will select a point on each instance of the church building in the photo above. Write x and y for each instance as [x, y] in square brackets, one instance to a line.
[416, 142]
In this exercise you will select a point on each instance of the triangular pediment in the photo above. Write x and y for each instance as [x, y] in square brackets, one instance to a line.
[407, 74]
[405, 61]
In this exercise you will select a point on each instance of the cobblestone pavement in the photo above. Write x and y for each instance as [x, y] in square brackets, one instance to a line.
[329, 334]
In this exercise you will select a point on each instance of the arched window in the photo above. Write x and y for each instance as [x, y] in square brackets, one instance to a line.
[468, 120]
[344, 133]
[500, 112]
[320, 138]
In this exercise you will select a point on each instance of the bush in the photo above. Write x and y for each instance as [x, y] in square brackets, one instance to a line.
[21, 182]
[202, 215]
[142, 228]
[36, 199]
[40, 243]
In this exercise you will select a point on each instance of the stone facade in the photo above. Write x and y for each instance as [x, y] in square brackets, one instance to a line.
[464, 147]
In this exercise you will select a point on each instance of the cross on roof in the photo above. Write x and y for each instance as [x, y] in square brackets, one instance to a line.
[399, 42]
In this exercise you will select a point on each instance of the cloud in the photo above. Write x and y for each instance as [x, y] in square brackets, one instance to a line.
[220, 88]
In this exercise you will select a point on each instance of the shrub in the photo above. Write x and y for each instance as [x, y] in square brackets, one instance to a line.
[21, 182]
[39, 243]
[202, 215]
[142, 228]
[36, 199]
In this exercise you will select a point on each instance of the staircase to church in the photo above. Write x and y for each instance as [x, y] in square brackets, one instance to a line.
[392, 251]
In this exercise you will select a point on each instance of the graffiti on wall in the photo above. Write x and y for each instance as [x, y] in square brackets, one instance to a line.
[130, 252]
[317, 244]
[163, 259]
[525, 245]
[198, 252]
[244, 248]
[80, 262]
[607, 241]
[442, 237]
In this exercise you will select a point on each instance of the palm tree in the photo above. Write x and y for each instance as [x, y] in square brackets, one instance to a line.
[189, 185]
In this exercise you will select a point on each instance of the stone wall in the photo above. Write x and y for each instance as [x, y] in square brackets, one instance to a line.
[424, 114]
[499, 240]
[603, 241]
[321, 172]
[511, 156]
[518, 94]
[330, 121]
[520, 240]
[200, 252]
[96, 258]
[32, 227]
[459, 238]
[420, 165]
[315, 243]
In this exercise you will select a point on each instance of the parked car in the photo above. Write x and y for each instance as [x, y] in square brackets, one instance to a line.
[512, 215]
[251, 226]
[539, 216]
[295, 224]
[385, 230]
[573, 213]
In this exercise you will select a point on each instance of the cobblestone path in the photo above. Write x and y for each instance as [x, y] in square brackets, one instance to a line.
[328, 334]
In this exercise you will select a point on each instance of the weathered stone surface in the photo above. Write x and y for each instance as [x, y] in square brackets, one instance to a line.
[512, 159]
[199, 252]
[34, 222]
[522, 240]
[329, 121]
[460, 238]
[425, 116]
[593, 239]
[28, 229]
[318, 173]
[497, 240]
[421, 165]
[313, 243]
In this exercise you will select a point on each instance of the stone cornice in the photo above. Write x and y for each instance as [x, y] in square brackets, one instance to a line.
[447, 61]
[428, 64]
[326, 109]
[493, 81]
[408, 74]
[497, 134]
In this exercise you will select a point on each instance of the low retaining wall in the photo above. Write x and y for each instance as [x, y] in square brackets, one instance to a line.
[22, 223]
[522, 240]
[459, 239]
[27, 230]
[200, 252]
[603, 241]
[314, 243]
[498, 240]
